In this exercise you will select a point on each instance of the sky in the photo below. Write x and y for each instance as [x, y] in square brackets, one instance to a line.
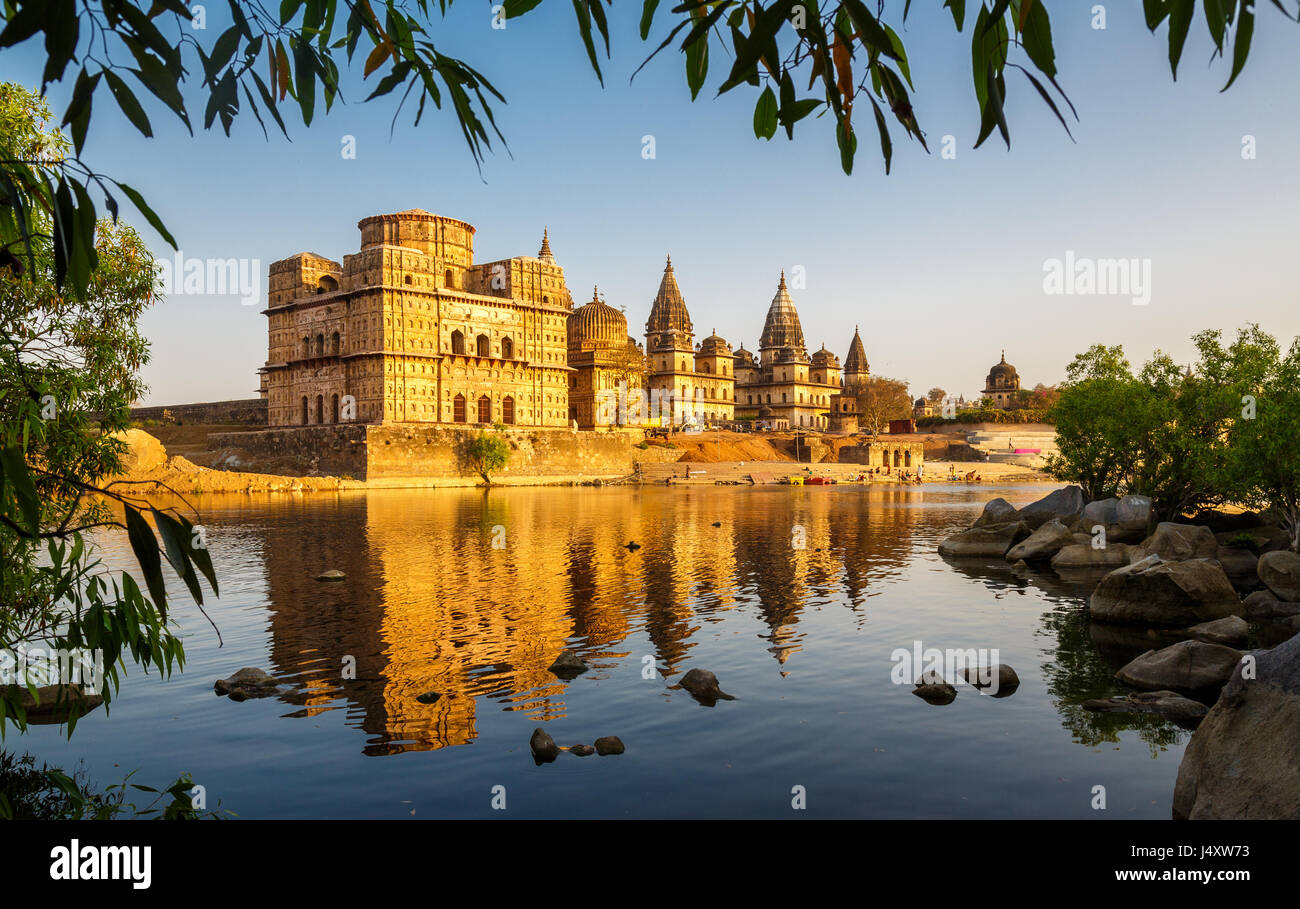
[941, 263]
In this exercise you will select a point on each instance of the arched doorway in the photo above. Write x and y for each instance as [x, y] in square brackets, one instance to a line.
[304, 410]
[335, 347]
[458, 409]
[334, 407]
[320, 345]
[907, 459]
[484, 346]
[485, 409]
[507, 349]
[320, 408]
[508, 411]
[457, 342]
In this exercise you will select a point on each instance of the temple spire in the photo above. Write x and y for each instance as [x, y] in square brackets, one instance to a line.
[669, 266]
[545, 251]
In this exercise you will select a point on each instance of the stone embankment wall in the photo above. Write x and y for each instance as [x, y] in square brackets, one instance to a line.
[405, 451]
[246, 412]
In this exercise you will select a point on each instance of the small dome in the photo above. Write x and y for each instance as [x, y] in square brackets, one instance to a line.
[824, 358]
[597, 321]
[745, 358]
[715, 346]
[1002, 376]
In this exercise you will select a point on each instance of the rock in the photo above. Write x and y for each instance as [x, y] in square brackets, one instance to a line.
[247, 682]
[143, 452]
[54, 704]
[1020, 565]
[1242, 762]
[1238, 563]
[609, 744]
[703, 686]
[1171, 594]
[1083, 555]
[331, 575]
[999, 680]
[1065, 504]
[1229, 632]
[1183, 711]
[543, 746]
[1133, 513]
[1042, 544]
[998, 511]
[932, 689]
[633, 546]
[429, 697]
[1280, 572]
[1101, 511]
[568, 665]
[1176, 542]
[989, 540]
[1185, 666]
[1262, 605]
[581, 750]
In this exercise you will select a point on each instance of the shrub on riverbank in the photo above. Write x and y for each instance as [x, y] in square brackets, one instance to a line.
[988, 415]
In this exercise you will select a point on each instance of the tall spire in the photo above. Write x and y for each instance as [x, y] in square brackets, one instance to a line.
[668, 315]
[782, 329]
[855, 364]
[545, 252]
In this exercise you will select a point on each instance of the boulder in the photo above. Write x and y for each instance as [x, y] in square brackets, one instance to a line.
[1065, 504]
[703, 686]
[1134, 513]
[1238, 563]
[1183, 711]
[1171, 594]
[1175, 542]
[932, 689]
[609, 744]
[1042, 544]
[429, 697]
[568, 665]
[332, 575]
[143, 452]
[54, 704]
[246, 683]
[1190, 666]
[998, 511]
[543, 746]
[1101, 511]
[987, 541]
[1244, 760]
[1083, 555]
[999, 680]
[1230, 632]
[582, 750]
[1280, 572]
[1263, 606]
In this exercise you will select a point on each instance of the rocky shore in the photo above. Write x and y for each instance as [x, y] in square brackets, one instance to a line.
[1197, 591]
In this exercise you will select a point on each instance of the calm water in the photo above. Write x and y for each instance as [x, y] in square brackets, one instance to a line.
[802, 638]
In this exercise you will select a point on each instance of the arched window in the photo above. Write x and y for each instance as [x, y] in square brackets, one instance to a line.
[320, 408]
[334, 344]
[508, 411]
[326, 285]
[457, 342]
[304, 410]
[406, 280]
[449, 278]
[897, 459]
[458, 409]
[484, 346]
[485, 409]
[320, 345]
[907, 459]
[334, 406]
[306, 347]
[884, 459]
[507, 349]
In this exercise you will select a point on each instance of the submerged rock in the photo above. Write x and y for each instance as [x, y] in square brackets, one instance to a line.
[332, 575]
[932, 689]
[609, 744]
[1173, 594]
[988, 540]
[1042, 544]
[581, 750]
[543, 746]
[703, 686]
[999, 680]
[1242, 761]
[247, 683]
[1280, 572]
[429, 697]
[568, 665]
[55, 703]
[1189, 666]
[1183, 711]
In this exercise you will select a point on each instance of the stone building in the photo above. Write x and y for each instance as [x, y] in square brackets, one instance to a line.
[693, 383]
[784, 387]
[1002, 387]
[607, 367]
[844, 405]
[411, 329]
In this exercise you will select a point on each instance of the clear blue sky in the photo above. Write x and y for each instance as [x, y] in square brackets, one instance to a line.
[940, 263]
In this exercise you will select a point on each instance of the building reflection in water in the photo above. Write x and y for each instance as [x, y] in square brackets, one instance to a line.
[431, 605]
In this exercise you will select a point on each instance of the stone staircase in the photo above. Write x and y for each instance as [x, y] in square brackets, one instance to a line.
[1001, 445]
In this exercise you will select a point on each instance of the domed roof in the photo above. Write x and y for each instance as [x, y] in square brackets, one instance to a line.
[597, 321]
[746, 356]
[1003, 374]
[825, 358]
[782, 328]
[856, 361]
[669, 310]
[715, 346]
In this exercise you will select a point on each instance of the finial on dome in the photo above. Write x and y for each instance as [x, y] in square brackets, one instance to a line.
[783, 278]
[1004, 355]
[545, 251]
[669, 266]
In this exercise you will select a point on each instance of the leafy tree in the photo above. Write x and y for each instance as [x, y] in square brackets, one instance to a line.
[848, 53]
[486, 453]
[881, 399]
[936, 395]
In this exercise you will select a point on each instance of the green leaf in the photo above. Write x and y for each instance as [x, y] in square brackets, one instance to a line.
[1180, 19]
[126, 100]
[765, 114]
[16, 476]
[1037, 38]
[519, 7]
[154, 221]
[1241, 41]
[176, 543]
[647, 17]
[145, 547]
[886, 144]
[958, 8]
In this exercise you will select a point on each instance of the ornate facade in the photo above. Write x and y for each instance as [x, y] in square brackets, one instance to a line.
[410, 329]
[784, 387]
[1002, 386]
[696, 381]
[607, 365]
